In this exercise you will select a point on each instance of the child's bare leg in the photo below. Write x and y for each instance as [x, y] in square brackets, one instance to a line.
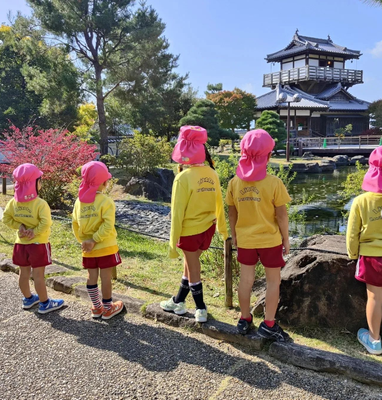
[92, 276]
[193, 262]
[106, 287]
[374, 310]
[247, 277]
[24, 276]
[186, 273]
[191, 259]
[39, 283]
[272, 293]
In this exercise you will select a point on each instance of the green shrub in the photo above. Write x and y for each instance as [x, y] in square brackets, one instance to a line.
[141, 154]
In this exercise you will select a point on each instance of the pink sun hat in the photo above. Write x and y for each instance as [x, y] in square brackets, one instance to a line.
[94, 173]
[255, 147]
[372, 182]
[190, 146]
[25, 176]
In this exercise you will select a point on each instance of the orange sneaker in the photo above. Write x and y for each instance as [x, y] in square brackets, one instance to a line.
[97, 312]
[115, 309]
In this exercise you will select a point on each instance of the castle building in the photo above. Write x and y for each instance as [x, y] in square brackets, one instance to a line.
[315, 70]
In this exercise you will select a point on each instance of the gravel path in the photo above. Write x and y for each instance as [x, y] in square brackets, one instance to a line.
[144, 217]
[67, 355]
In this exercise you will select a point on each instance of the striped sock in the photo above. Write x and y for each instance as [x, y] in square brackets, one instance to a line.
[107, 303]
[94, 295]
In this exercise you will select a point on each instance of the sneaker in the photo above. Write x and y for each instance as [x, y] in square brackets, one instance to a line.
[115, 309]
[373, 347]
[201, 315]
[29, 303]
[97, 312]
[243, 326]
[170, 305]
[275, 333]
[51, 306]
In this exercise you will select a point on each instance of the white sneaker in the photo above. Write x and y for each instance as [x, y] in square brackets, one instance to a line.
[177, 308]
[201, 315]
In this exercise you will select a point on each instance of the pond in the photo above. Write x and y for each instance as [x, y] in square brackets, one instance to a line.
[324, 213]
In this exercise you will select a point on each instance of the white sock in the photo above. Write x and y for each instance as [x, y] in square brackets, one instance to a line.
[372, 341]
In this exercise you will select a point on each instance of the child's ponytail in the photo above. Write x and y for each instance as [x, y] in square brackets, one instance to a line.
[208, 157]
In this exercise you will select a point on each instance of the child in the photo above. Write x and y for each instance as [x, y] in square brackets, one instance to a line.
[196, 210]
[364, 242]
[93, 227]
[30, 215]
[259, 225]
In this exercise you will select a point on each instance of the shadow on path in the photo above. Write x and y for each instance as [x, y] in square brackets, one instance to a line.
[163, 350]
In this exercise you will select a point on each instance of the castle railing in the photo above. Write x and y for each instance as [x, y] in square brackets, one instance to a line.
[312, 73]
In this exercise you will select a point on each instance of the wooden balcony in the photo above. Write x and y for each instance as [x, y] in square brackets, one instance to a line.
[311, 73]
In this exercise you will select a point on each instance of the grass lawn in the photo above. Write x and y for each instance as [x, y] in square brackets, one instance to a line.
[148, 274]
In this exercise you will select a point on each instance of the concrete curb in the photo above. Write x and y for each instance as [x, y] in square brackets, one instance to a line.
[216, 329]
[324, 361]
[302, 356]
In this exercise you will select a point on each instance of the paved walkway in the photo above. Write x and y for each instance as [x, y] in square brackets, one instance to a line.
[67, 355]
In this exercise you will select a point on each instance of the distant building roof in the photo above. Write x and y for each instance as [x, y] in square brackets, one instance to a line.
[305, 44]
[328, 100]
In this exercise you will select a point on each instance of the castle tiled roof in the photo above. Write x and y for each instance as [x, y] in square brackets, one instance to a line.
[321, 102]
[305, 44]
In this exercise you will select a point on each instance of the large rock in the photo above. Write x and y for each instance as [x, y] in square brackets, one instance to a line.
[318, 287]
[327, 166]
[154, 186]
[306, 168]
[341, 160]
[361, 159]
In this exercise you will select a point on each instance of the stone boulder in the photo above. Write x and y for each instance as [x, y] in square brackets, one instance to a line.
[308, 155]
[306, 168]
[327, 166]
[361, 159]
[341, 160]
[154, 186]
[318, 288]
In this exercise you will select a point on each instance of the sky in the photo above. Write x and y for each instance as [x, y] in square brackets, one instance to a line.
[226, 41]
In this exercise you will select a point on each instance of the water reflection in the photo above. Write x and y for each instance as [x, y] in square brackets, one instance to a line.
[325, 212]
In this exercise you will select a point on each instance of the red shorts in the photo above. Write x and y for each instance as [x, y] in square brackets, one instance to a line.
[32, 255]
[271, 257]
[201, 241]
[101, 262]
[369, 270]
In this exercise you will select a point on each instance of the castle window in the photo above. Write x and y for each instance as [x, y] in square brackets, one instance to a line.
[326, 63]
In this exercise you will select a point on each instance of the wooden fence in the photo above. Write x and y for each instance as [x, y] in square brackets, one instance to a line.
[322, 142]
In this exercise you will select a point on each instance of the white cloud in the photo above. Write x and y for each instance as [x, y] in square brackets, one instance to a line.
[377, 50]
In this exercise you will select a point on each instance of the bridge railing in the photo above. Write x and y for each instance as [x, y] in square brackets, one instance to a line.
[322, 142]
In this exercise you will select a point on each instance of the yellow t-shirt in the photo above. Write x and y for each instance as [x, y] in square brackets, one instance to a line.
[34, 214]
[255, 203]
[96, 221]
[196, 203]
[364, 229]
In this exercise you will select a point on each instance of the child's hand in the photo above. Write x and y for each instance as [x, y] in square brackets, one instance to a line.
[22, 231]
[88, 245]
[286, 246]
[29, 234]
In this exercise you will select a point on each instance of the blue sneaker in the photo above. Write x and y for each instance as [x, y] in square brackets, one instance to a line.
[29, 303]
[51, 306]
[373, 347]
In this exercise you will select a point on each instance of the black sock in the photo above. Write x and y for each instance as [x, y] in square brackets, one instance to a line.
[197, 294]
[184, 289]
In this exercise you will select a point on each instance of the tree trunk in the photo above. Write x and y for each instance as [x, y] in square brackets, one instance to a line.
[101, 112]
